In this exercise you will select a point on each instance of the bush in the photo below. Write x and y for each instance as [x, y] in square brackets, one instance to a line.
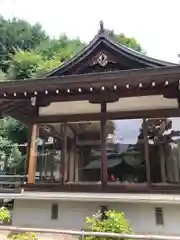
[25, 236]
[110, 221]
[5, 216]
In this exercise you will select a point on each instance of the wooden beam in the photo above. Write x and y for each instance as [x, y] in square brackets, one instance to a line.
[109, 94]
[33, 154]
[157, 113]
[103, 146]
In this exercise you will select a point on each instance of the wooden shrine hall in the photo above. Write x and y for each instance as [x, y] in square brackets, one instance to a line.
[77, 105]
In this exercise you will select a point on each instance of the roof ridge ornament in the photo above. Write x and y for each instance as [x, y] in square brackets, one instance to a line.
[102, 30]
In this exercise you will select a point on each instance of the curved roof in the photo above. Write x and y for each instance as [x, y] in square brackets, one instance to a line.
[102, 41]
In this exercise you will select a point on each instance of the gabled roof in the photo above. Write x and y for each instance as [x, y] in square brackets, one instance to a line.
[104, 42]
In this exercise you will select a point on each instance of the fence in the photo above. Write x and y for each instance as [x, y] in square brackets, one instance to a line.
[83, 233]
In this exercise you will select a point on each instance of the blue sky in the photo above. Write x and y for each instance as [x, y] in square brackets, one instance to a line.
[154, 23]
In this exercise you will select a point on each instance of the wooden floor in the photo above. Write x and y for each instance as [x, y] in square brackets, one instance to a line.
[96, 188]
[109, 188]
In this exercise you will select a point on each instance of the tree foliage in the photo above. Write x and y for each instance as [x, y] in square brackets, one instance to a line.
[14, 130]
[18, 34]
[25, 64]
[63, 48]
[5, 216]
[46, 56]
[12, 133]
[129, 42]
[11, 158]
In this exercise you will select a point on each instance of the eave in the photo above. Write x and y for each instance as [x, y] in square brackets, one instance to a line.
[16, 95]
[146, 77]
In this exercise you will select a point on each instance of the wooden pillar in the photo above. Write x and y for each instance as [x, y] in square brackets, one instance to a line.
[162, 162]
[71, 163]
[74, 161]
[64, 153]
[104, 170]
[146, 147]
[32, 154]
[66, 162]
[68, 165]
[76, 164]
[51, 159]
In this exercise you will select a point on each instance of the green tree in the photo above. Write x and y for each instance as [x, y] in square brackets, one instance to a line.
[11, 158]
[18, 34]
[161, 136]
[63, 48]
[13, 130]
[47, 55]
[25, 64]
[12, 133]
[129, 42]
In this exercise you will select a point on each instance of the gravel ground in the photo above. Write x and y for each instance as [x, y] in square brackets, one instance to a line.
[56, 237]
